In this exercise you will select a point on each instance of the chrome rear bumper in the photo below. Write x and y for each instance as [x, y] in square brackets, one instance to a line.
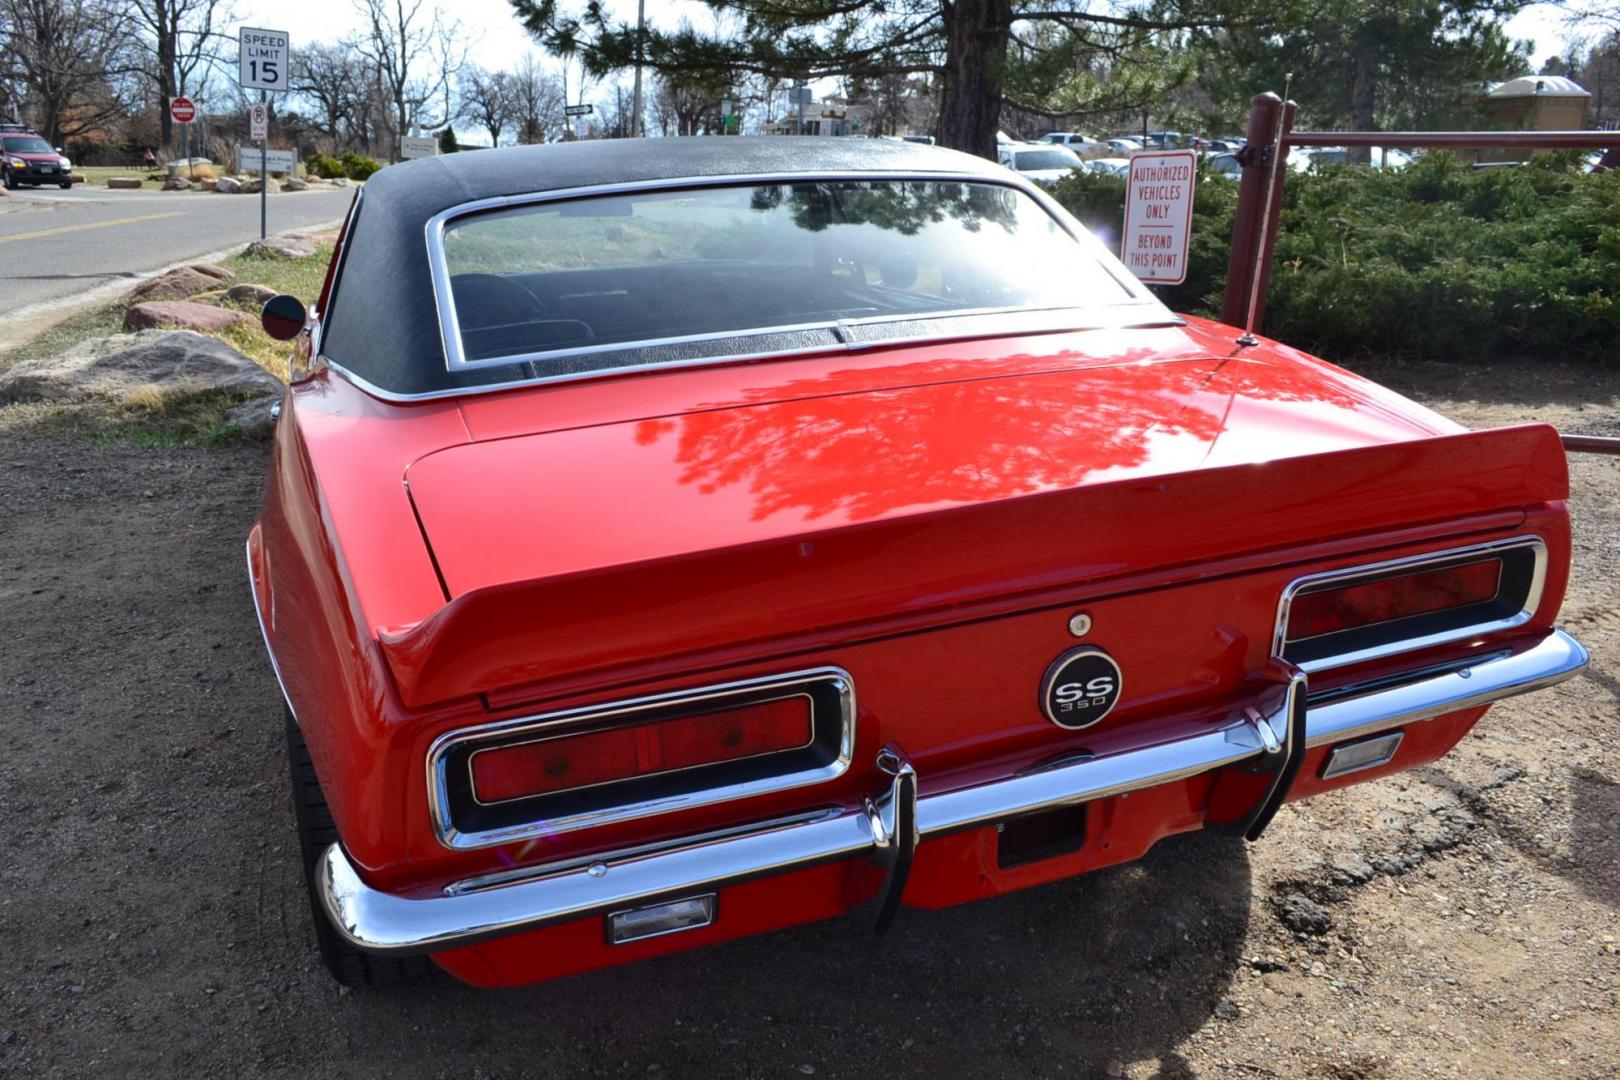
[888, 827]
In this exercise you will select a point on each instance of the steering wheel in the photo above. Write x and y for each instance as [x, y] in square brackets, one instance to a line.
[485, 300]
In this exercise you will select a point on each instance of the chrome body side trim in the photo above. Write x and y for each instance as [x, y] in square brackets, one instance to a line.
[444, 300]
[264, 631]
[568, 721]
[1352, 574]
[386, 923]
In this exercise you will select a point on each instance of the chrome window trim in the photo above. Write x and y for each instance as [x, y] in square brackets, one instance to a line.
[1532, 601]
[1079, 326]
[444, 302]
[437, 767]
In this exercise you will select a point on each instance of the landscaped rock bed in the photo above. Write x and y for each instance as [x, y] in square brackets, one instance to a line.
[177, 363]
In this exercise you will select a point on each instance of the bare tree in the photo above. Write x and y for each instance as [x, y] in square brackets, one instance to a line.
[488, 99]
[183, 39]
[414, 58]
[65, 58]
[537, 101]
[333, 79]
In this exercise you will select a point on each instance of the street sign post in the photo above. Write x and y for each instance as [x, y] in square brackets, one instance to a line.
[579, 110]
[259, 122]
[263, 63]
[1158, 216]
[182, 110]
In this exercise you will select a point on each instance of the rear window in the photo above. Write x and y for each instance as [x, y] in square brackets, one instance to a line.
[1043, 159]
[559, 278]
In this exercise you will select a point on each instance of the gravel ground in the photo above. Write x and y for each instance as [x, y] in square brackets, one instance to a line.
[1457, 921]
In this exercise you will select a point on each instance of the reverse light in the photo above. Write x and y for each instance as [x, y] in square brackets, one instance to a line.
[1422, 592]
[570, 762]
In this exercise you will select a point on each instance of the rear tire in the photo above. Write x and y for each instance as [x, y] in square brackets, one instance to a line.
[65, 186]
[316, 832]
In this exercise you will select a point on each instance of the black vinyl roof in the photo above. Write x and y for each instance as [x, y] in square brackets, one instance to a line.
[383, 325]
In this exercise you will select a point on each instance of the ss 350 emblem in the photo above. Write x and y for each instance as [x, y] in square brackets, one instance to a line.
[1080, 688]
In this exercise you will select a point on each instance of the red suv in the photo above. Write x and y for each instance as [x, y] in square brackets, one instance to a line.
[28, 159]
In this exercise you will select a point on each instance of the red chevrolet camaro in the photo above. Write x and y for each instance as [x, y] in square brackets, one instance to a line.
[672, 541]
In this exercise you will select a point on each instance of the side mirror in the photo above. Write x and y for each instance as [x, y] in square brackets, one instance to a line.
[283, 317]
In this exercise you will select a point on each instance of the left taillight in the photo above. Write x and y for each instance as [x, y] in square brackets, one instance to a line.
[626, 759]
[602, 757]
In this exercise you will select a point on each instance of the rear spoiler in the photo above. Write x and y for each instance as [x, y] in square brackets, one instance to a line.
[722, 605]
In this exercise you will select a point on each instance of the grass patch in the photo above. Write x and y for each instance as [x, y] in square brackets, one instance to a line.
[149, 417]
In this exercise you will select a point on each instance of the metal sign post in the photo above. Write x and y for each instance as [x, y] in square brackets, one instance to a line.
[263, 61]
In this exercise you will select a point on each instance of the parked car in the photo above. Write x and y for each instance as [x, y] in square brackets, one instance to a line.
[1107, 166]
[1225, 164]
[665, 547]
[1039, 162]
[1074, 140]
[29, 161]
[1123, 145]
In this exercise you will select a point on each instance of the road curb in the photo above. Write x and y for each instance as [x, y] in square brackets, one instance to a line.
[25, 324]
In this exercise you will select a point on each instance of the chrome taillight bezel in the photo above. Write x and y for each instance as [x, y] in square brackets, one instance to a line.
[457, 818]
[1518, 597]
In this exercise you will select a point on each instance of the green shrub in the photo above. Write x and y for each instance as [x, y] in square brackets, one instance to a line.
[1437, 260]
[319, 164]
[357, 166]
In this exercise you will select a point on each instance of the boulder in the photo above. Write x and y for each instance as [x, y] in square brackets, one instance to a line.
[252, 186]
[124, 183]
[176, 183]
[226, 185]
[176, 284]
[176, 363]
[218, 273]
[183, 315]
[249, 295]
[341, 181]
[253, 417]
[281, 247]
[209, 184]
[292, 183]
[78, 178]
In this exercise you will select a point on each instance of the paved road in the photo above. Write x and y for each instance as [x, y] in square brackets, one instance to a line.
[58, 245]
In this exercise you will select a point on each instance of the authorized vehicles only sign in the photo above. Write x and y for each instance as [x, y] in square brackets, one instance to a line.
[1158, 216]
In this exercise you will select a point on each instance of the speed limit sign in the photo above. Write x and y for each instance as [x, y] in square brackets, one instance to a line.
[259, 121]
[263, 59]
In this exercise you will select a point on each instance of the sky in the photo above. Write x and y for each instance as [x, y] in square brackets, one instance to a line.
[495, 40]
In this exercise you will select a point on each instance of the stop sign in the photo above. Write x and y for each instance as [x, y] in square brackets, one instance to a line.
[182, 109]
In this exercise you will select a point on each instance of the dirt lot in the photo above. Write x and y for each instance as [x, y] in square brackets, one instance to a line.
[1460, 921]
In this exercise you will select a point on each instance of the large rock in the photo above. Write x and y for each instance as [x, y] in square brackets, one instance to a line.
[124, 183]
[249, 294]
[225, 185]
[183, 315]
[281, 247]
[292, 183]
[176, 183]
[176, 284]
[251, 186]
[218, 273]
[177, 363]
[341, 181]
[253, 417]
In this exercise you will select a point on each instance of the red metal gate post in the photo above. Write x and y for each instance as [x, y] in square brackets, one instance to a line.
[1250, 233]
[1251, 197]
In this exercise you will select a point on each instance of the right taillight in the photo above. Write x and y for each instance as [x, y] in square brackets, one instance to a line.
[1348, 607]
[1360, 613]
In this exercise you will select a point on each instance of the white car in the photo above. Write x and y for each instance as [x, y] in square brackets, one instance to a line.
[1124, 146]
[1040, 162]
[1107, 166]
[1074, 140]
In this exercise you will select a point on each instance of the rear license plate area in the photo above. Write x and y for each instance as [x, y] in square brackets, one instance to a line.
[1038, 837]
